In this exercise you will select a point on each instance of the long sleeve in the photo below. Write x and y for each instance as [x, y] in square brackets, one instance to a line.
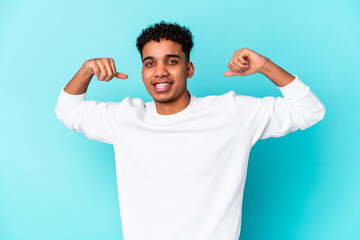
[92, 118]
[299, 108]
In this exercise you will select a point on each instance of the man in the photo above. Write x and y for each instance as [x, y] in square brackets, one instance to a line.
[181, 160]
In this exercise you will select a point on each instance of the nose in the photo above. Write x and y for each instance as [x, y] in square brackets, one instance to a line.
[161, 71]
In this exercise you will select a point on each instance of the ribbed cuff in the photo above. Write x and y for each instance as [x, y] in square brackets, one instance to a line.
[295, 90]
[67, 99]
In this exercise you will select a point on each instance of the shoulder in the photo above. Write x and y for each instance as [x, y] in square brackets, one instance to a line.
[214, 98]
[126, 105]
[232, 96]
[244, 104]
[248, 101]
[222, 102]
[133, 102]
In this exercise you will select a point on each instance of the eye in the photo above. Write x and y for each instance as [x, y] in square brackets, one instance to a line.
[172, 61]
[149, 63]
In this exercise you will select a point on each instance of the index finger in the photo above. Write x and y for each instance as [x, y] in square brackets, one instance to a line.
[112, 64]
[234, 55]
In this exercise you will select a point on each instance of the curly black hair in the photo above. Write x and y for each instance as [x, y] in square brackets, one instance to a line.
[167, 31]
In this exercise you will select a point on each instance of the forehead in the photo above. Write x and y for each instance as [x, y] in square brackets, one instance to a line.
[160, 49]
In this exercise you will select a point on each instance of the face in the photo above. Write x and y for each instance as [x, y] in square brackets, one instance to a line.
[165, 71]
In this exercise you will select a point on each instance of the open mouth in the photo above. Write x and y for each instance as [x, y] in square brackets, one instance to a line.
[161, 87]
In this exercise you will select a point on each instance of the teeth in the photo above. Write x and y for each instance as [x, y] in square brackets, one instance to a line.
[161, 85]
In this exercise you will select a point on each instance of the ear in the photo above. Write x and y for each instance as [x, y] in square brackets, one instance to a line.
[190, 69]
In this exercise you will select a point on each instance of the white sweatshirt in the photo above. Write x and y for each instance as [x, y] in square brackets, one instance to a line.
[182, 176]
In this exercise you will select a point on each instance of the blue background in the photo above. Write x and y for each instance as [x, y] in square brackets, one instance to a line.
[57, 184]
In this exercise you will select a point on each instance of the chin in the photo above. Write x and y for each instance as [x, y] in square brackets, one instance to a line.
[164, 100]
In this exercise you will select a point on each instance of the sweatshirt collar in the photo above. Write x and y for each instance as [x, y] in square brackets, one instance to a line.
[175, 115]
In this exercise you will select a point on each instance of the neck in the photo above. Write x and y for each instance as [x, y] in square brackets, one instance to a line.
[174, 106]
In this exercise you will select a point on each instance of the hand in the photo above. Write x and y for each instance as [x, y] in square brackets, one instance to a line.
[245, 62]
[103, 68]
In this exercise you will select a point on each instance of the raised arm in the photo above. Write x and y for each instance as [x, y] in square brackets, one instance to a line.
[246, 62]
[92, 118]
[103, 68]
[270, 116]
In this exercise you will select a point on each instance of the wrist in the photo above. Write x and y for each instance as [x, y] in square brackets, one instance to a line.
[265, 68]
[276, 74]
[84, 72]
[79, 83]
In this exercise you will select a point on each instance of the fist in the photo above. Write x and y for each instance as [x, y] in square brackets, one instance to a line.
[103, 68]
[245, 62]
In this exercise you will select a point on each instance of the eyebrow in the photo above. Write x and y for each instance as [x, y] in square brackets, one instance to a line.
[167, 56]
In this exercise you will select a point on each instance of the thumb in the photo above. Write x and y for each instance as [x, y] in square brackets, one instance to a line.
[121, 76]
[230, 73]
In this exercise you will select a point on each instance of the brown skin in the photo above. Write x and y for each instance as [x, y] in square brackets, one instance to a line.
[165, 61]
[103, 68]
[246, 62]
[159, 66]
